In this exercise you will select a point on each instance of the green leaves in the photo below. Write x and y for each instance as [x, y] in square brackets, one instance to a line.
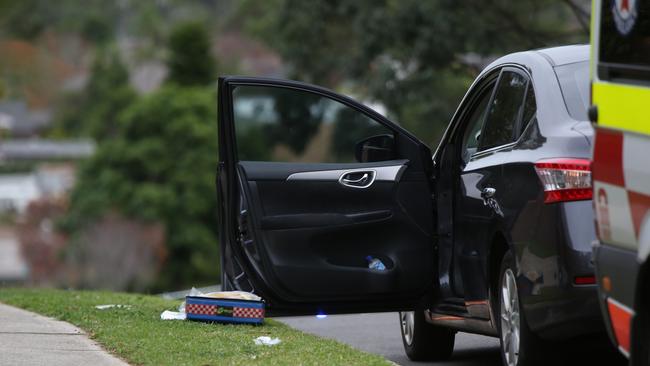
[409, 55]
[94, 112]
[160, 168]
[190, 62]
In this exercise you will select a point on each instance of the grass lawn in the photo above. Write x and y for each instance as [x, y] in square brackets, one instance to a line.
[137, 335]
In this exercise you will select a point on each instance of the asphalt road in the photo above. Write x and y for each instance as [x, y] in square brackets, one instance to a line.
[380, 334]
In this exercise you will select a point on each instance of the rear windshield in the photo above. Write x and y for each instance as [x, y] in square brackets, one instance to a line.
[574, 83]
[624, 45]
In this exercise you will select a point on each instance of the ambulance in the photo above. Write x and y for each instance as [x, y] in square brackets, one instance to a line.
[620, 111]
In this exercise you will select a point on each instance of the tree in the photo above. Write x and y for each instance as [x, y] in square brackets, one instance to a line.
[190, 62]
[160, 168]
[94, 111]
[411, 55]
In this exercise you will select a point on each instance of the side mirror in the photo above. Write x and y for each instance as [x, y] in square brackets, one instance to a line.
[375, 148]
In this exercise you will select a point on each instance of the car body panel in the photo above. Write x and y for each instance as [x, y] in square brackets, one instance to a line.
[551, 242]
[528, 226]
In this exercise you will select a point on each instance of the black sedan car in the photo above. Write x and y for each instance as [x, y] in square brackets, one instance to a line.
[328, 207]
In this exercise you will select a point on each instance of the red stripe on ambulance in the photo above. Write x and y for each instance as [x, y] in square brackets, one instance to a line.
[607, 165]
[639, 205]
[621, 318]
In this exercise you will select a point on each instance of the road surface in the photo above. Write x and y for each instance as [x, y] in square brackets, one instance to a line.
[380, 334]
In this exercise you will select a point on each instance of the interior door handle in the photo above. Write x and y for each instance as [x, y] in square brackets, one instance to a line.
[356, 181]
[488, 192]
[364, 180]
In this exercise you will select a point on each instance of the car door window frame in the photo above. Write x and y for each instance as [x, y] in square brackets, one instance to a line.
[516, 137]
[323, 130]
[468, 112]
[520, 128]
[398, 131]
[467, 105]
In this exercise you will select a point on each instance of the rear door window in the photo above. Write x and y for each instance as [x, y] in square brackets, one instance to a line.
[505, 110]
[530, 110]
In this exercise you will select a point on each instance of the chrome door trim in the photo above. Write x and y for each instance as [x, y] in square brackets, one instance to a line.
[391, 173]
[366, 181]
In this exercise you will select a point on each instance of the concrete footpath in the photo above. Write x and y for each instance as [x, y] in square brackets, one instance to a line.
[31, 339]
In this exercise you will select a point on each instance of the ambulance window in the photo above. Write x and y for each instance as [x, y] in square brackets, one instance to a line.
[504, 111]
[624, 44]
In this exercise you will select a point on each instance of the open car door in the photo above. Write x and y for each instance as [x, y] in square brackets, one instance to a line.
[313, 187]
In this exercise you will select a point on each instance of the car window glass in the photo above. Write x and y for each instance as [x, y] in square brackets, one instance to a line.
[574, 84]
[504, 109]
[471, 136]
[530, 109]
[288, 125]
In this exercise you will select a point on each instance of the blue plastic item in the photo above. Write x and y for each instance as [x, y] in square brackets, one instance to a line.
[375, 263]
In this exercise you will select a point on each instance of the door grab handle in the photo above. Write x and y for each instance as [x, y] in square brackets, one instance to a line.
[356, 181]
[365, 181]
[488, 192]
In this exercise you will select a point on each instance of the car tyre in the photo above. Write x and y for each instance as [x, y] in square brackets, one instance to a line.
[423, 341]
[519, 345]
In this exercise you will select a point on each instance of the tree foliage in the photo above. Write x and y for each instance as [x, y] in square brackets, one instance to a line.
[190, 62]
[413, 56]
[160, 168]
[93, 112]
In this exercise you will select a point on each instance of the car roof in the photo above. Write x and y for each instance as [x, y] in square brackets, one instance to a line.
[563, 55]
[553, 57]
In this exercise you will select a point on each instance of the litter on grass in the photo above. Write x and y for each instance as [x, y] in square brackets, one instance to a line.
[110, 306]
[267, 341]
[172, 315]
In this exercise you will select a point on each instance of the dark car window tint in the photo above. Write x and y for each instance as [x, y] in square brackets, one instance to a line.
[530, 109]
[287, 125]
[504, 110]
[625, 33]
[574, 83]
[471, 136]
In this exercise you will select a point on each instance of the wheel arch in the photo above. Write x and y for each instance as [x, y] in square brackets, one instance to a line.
[498, 248]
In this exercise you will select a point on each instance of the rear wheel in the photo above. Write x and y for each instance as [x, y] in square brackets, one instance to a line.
[423, 341]
[519, 346]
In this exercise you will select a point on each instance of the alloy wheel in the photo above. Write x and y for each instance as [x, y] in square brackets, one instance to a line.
[510, 324]
[407, 320]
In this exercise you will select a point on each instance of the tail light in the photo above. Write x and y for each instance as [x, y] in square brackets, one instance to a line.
[584, 280]
[565, 179]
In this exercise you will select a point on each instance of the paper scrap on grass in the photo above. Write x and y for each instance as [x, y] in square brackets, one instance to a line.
[267, 341]
[110, 306]
[172, 315]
